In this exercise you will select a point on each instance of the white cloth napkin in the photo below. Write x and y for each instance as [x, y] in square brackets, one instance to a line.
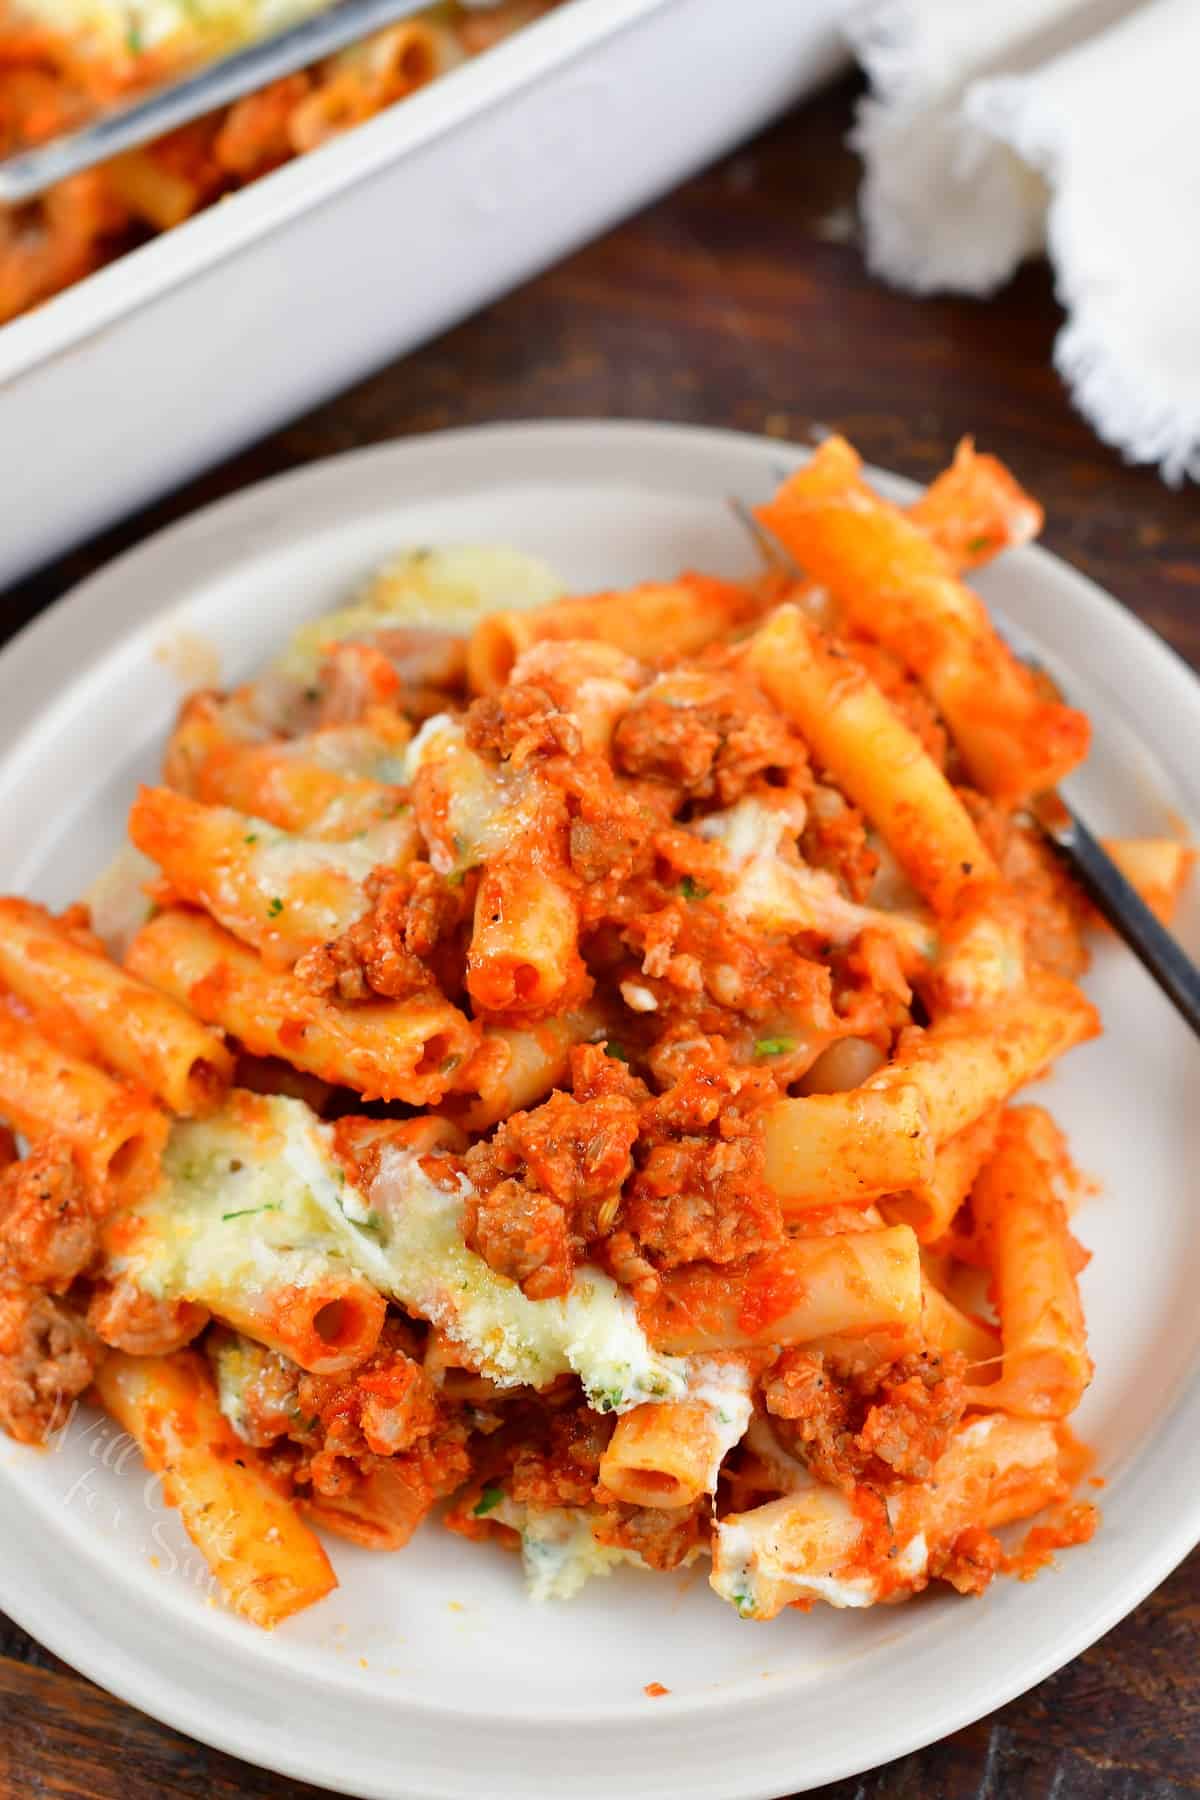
[996, 130]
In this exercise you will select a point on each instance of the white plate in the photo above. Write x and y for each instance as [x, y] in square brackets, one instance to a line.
[429, 1673]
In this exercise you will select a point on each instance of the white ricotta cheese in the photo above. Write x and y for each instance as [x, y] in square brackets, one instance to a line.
[748, 1574]
[745, 1573]
[723, 1389]
[751, 830]
[559, 1553]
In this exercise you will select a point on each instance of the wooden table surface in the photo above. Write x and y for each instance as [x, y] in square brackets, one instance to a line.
[741, 300]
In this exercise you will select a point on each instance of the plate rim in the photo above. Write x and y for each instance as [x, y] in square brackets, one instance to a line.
[61, 644]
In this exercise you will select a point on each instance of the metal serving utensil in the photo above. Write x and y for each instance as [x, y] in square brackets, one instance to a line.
[201, 91]
[1113, 896]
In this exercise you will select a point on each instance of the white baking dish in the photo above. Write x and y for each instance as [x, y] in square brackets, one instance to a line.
[207, 337]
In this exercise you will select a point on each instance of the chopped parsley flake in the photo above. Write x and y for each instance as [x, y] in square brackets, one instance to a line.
[780, 1046]
[275, 908]
[617, 1051]
[691, 890]
[487, 1502]
[247, 1211]
[251, 837]
[977, 545]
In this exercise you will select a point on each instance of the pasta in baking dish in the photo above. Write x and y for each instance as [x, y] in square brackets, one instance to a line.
[560, 1057]
[61, 61]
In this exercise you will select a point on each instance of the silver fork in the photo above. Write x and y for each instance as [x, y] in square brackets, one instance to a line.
[215, 84]
[1113, 896]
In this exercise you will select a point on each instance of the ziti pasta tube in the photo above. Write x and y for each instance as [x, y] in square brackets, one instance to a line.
[930, 1206]
[1157, 867]
[133, 1028]
[826, 1148]
[204, 724]
[975, 509]
[406, 1050]
[853, 1284]
[267, 1562]
[966, 1063]
[1023, 1225]
[280, 893]
[948, 1327]
[894, 584]
[331, 784]
[247, 1223]
[656, 619]
[812, 1544]
[115, 1130]
[378, 1509]
[881, 765]
[524, 955]
[993, 1471]
[517, 1065]
[851, 1551]
[668, 1454]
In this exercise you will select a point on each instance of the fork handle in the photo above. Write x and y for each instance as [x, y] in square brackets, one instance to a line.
[1118, 901]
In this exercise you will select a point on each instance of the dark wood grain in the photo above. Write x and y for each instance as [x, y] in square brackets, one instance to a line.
[742, 300]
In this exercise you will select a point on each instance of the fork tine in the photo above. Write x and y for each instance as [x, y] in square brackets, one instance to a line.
[774, 552]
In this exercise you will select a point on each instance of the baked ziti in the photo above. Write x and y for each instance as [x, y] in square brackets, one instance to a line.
[62, 61]
[561, 1057]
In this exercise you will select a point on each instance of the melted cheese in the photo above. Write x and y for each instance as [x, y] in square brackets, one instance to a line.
[236, 1365]
[593, 1331]
[783, 895]
[253, 1198]
[484, 809]
[279, 856]
[117, 901]
[352, 750]
[188, 28]
[448, 589]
